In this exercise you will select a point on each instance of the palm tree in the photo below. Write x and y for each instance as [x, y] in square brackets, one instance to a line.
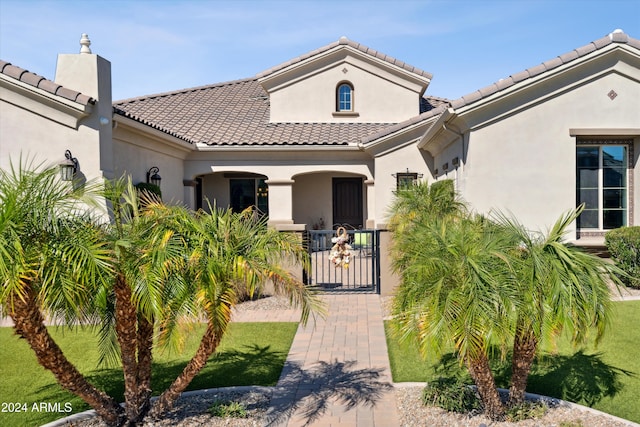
[456, 291]
[560, 287]
[423, 202]
[137, 297]
[231, 255]
[52, 261]
[144, 271]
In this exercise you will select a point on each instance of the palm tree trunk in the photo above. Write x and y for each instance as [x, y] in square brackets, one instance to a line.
[525, 346]
[208, 345]
[145, 358]
[126, 331]
[29, 323]
[483, 377]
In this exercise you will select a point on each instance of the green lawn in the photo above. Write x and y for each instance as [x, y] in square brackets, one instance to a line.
[606, 378]
[250, 354]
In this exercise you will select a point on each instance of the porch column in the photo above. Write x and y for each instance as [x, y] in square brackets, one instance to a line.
[281, 205]
[371, 203]
[189, 197]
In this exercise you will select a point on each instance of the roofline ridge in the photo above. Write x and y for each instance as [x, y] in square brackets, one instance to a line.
[618, 37]
[182, 91]
[343, 41]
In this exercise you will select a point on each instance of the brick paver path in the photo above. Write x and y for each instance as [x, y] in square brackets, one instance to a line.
[337, 371]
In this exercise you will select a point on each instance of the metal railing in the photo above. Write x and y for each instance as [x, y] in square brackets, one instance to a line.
[352, 268]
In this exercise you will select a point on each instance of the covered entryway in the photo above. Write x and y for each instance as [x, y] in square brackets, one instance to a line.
[347, 202]
[353, 269]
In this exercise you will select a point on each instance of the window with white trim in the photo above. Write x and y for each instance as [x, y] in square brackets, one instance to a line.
[344, 97]
[602, 184]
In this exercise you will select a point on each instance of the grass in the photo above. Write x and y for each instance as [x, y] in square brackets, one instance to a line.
[250, 354]
[606, 378]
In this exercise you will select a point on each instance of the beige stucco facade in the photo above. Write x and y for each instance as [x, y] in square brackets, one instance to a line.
[509, 147]
[517, 150]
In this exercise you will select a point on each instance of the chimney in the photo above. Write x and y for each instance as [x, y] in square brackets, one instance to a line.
[90, 75]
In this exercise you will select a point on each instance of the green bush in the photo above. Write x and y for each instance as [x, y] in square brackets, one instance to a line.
[151, 188]
[451, 394]
[624, 246]
[525, 411]
[228, 410]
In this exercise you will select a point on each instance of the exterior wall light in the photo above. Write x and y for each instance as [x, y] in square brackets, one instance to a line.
[68, 167]
[406, 179]
[153, 177]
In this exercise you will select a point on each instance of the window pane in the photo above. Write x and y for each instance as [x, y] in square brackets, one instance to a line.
[344, 97]
[614, 156]
[242, 194]
[263, 196]
[614, 199]
[587, 157]
[588, 219]
[588, 178]
[589, 197]
[614, 219]
[614, 177]
[611, 187]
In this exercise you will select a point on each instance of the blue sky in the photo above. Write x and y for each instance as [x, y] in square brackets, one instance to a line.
[158, 46]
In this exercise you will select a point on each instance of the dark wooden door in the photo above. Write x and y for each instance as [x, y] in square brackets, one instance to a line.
[347, 202]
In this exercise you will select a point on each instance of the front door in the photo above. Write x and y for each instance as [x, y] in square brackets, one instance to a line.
[347, 202]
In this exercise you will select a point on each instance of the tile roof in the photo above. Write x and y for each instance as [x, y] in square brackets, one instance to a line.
[502, 84]
[343, 41]
[615, 37]
[40, 82]
[236, 113]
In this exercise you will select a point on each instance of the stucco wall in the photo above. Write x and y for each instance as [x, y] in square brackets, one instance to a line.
[524, 162]
[408, 157]
[43, 141]
[135, 161]
[313, 99]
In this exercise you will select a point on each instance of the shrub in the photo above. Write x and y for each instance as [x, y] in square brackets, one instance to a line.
[525, 411]
[450, 394]
[571, 424]
[228, 410]
[624, 246]
[151, 188]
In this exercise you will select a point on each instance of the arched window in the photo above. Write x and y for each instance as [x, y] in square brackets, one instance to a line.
[344, 97]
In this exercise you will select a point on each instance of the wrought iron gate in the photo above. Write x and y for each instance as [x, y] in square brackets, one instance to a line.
[330, 273]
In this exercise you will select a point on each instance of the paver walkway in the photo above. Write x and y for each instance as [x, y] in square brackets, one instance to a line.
[337, 372]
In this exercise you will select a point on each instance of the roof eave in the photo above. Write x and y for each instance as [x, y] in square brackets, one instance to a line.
[54, 107]
[532, 76]
[153, 133]
[322, 58]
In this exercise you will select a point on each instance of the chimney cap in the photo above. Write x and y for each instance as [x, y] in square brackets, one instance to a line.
[85, 43]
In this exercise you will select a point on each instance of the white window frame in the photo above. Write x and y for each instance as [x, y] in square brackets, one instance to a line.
[339, 100]
[600, 144]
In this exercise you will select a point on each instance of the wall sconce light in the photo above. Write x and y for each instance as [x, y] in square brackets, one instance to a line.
[445, 167]
[68, 167]
[455, 161]
[153, 177]
[406, 179]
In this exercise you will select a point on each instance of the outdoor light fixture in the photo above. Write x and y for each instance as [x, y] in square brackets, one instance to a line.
[153, 177]
[406, 179]
[68, 167]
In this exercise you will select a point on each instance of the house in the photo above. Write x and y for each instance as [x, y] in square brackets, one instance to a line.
[326, 138]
